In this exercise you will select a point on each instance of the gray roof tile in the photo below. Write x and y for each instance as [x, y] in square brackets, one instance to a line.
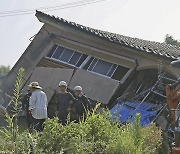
[161, 49]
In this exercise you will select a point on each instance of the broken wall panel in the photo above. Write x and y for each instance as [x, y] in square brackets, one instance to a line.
[95, 86]
[49, 78]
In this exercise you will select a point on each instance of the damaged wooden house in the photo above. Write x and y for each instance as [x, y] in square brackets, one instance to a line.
[108, 66]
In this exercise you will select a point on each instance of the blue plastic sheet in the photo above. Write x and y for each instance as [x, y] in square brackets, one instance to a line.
[126, 111]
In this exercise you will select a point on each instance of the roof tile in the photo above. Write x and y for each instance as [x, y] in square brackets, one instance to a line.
[162, 49]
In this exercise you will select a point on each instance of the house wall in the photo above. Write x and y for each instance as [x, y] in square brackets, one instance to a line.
[37, 49]
[94, 86]
[109, 51]
[90, 46]
[152, 63]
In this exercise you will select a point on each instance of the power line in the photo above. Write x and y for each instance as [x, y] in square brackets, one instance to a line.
[40, 8]
[52, 8]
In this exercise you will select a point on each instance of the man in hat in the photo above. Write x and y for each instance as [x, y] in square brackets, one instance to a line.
[65, 102]
[82, 105]
[25, 107]
[38, 105]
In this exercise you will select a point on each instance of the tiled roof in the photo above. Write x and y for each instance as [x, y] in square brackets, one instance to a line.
[161, 49]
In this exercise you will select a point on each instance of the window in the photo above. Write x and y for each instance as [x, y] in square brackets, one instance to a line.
[105, 68]
[58, 52]
[112, 70]
[120, 72]
[67, 56]
[52, 51]
[93, 63]
[74, 59]
[77, 59]
[102, 67]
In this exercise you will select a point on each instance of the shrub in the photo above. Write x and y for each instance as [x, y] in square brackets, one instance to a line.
[90, 136]
[11, 141]
[152, 139]
[98, 135]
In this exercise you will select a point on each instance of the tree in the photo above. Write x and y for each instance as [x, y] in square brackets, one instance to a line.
[4, 70]
[169, 39]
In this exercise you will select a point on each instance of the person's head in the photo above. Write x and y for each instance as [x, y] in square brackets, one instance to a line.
[34, 86]
[77, 90]
[63, 86]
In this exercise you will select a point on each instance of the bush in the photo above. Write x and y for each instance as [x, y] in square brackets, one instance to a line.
[90, 136]
[134, 139]
[152, 139]
[98, 135]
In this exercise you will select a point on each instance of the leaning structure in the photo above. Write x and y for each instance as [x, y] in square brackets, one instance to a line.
[107, 65]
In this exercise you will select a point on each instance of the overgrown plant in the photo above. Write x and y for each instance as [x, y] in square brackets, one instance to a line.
[98, 135]
[15, 105]
[14, 142]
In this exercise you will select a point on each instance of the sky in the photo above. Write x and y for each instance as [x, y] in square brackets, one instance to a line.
[145, 19]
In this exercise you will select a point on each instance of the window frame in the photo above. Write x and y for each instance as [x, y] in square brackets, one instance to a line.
[113, 71]
[106, 75]
[85, 61]
[77, 60]
[64, 50]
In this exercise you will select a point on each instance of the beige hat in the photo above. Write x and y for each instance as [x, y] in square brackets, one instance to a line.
[62, 83]
[35, 85]
[78, 88]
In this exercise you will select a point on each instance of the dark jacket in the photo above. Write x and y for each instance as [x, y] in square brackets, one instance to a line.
[65, 101]
[82, 105]
[25, 101]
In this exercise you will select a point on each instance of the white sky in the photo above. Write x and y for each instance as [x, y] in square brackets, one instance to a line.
[145, 19]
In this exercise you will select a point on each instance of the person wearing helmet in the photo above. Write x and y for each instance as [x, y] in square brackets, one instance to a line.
[82, 104]
[65, 100]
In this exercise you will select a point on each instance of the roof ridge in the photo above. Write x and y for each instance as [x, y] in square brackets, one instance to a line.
[158, 48]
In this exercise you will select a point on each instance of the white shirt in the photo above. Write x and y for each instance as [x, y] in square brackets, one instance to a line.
[38, 104]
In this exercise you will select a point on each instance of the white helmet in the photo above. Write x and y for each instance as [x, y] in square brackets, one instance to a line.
[62, 83]
[78, 88]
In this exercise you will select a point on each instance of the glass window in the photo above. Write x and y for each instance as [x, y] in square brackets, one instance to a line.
[102, 67]
[58, 52]
[66, 55]
[108, 69]
[92, 64]
[112, 70]
[75, 58]
[52, 51]
[120, 72]
[88, 63]
[82, 59]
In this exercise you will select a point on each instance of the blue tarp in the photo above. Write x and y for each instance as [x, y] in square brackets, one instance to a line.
[125, 111]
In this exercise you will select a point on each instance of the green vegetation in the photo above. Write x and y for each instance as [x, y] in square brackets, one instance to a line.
[11, 133]
[170, 40]
[98, 134]
[4, 70]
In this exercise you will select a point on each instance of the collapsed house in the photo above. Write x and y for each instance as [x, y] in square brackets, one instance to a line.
[110, 67]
